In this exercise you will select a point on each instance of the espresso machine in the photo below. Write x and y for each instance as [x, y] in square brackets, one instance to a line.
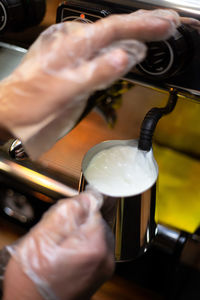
[28, 189]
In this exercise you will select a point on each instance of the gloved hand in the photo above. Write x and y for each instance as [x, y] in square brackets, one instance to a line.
[68, 254]
[44, 97]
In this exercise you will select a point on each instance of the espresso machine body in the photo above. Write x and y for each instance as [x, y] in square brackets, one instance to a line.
[177, 68]
[169, 64]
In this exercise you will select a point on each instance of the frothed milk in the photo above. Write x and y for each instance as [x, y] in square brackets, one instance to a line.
[122, 171]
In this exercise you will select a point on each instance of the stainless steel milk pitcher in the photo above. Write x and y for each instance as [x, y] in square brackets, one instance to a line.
[131, 218]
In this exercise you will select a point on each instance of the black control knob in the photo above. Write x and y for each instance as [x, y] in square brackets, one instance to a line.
[16, 15]
[167, 58]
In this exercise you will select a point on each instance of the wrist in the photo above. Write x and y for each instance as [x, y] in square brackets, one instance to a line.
[17, 285]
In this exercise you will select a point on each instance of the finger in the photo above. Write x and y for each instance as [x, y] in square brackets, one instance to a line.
[103, 70]
[94, 229]
[148, 26]
[60, 225]
[65, 218]
[194, 23]
[143, 25]
[77, 42]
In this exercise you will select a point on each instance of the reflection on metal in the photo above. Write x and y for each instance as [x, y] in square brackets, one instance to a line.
[185, 94]
[119, 228]
[17, 206]
[13, 47]
[145, 218]
[182, 245]
[182, 6]
[166, 238]
[190, 6]
[10, 57]
[32, 179]
[134, 225]
[17, 151]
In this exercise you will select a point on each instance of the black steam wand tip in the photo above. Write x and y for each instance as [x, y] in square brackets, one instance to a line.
[151, 119]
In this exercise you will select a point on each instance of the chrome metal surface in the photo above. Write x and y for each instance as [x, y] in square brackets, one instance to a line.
[184, 93]
[190, 7]
[166, 238]
[182, 72]
[131, 218]
[10, 57]
[29, 178]
[17, 151]
[17, 206]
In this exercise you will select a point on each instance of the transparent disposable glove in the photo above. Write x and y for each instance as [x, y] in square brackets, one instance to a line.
[44, 97]
[69, 253]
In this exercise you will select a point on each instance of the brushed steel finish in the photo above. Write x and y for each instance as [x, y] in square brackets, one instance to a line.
[29, 177]
[188, 8]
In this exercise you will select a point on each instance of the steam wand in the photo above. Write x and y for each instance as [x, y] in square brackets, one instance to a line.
[151, 119]
[184, 246]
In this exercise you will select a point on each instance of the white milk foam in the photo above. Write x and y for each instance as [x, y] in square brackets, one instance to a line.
[122, 171]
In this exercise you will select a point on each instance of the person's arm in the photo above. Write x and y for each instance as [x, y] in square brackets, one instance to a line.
[67, 255]
[45, 96]
[17, 285]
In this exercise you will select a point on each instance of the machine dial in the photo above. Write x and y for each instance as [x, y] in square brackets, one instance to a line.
[160, 59]
[3, 16]
[81, 19]
[75, 11]
[19, 14]
[167, 58]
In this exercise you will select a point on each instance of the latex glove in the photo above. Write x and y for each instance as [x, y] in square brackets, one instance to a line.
[44, 97]
[68, 254]
[191, 22]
